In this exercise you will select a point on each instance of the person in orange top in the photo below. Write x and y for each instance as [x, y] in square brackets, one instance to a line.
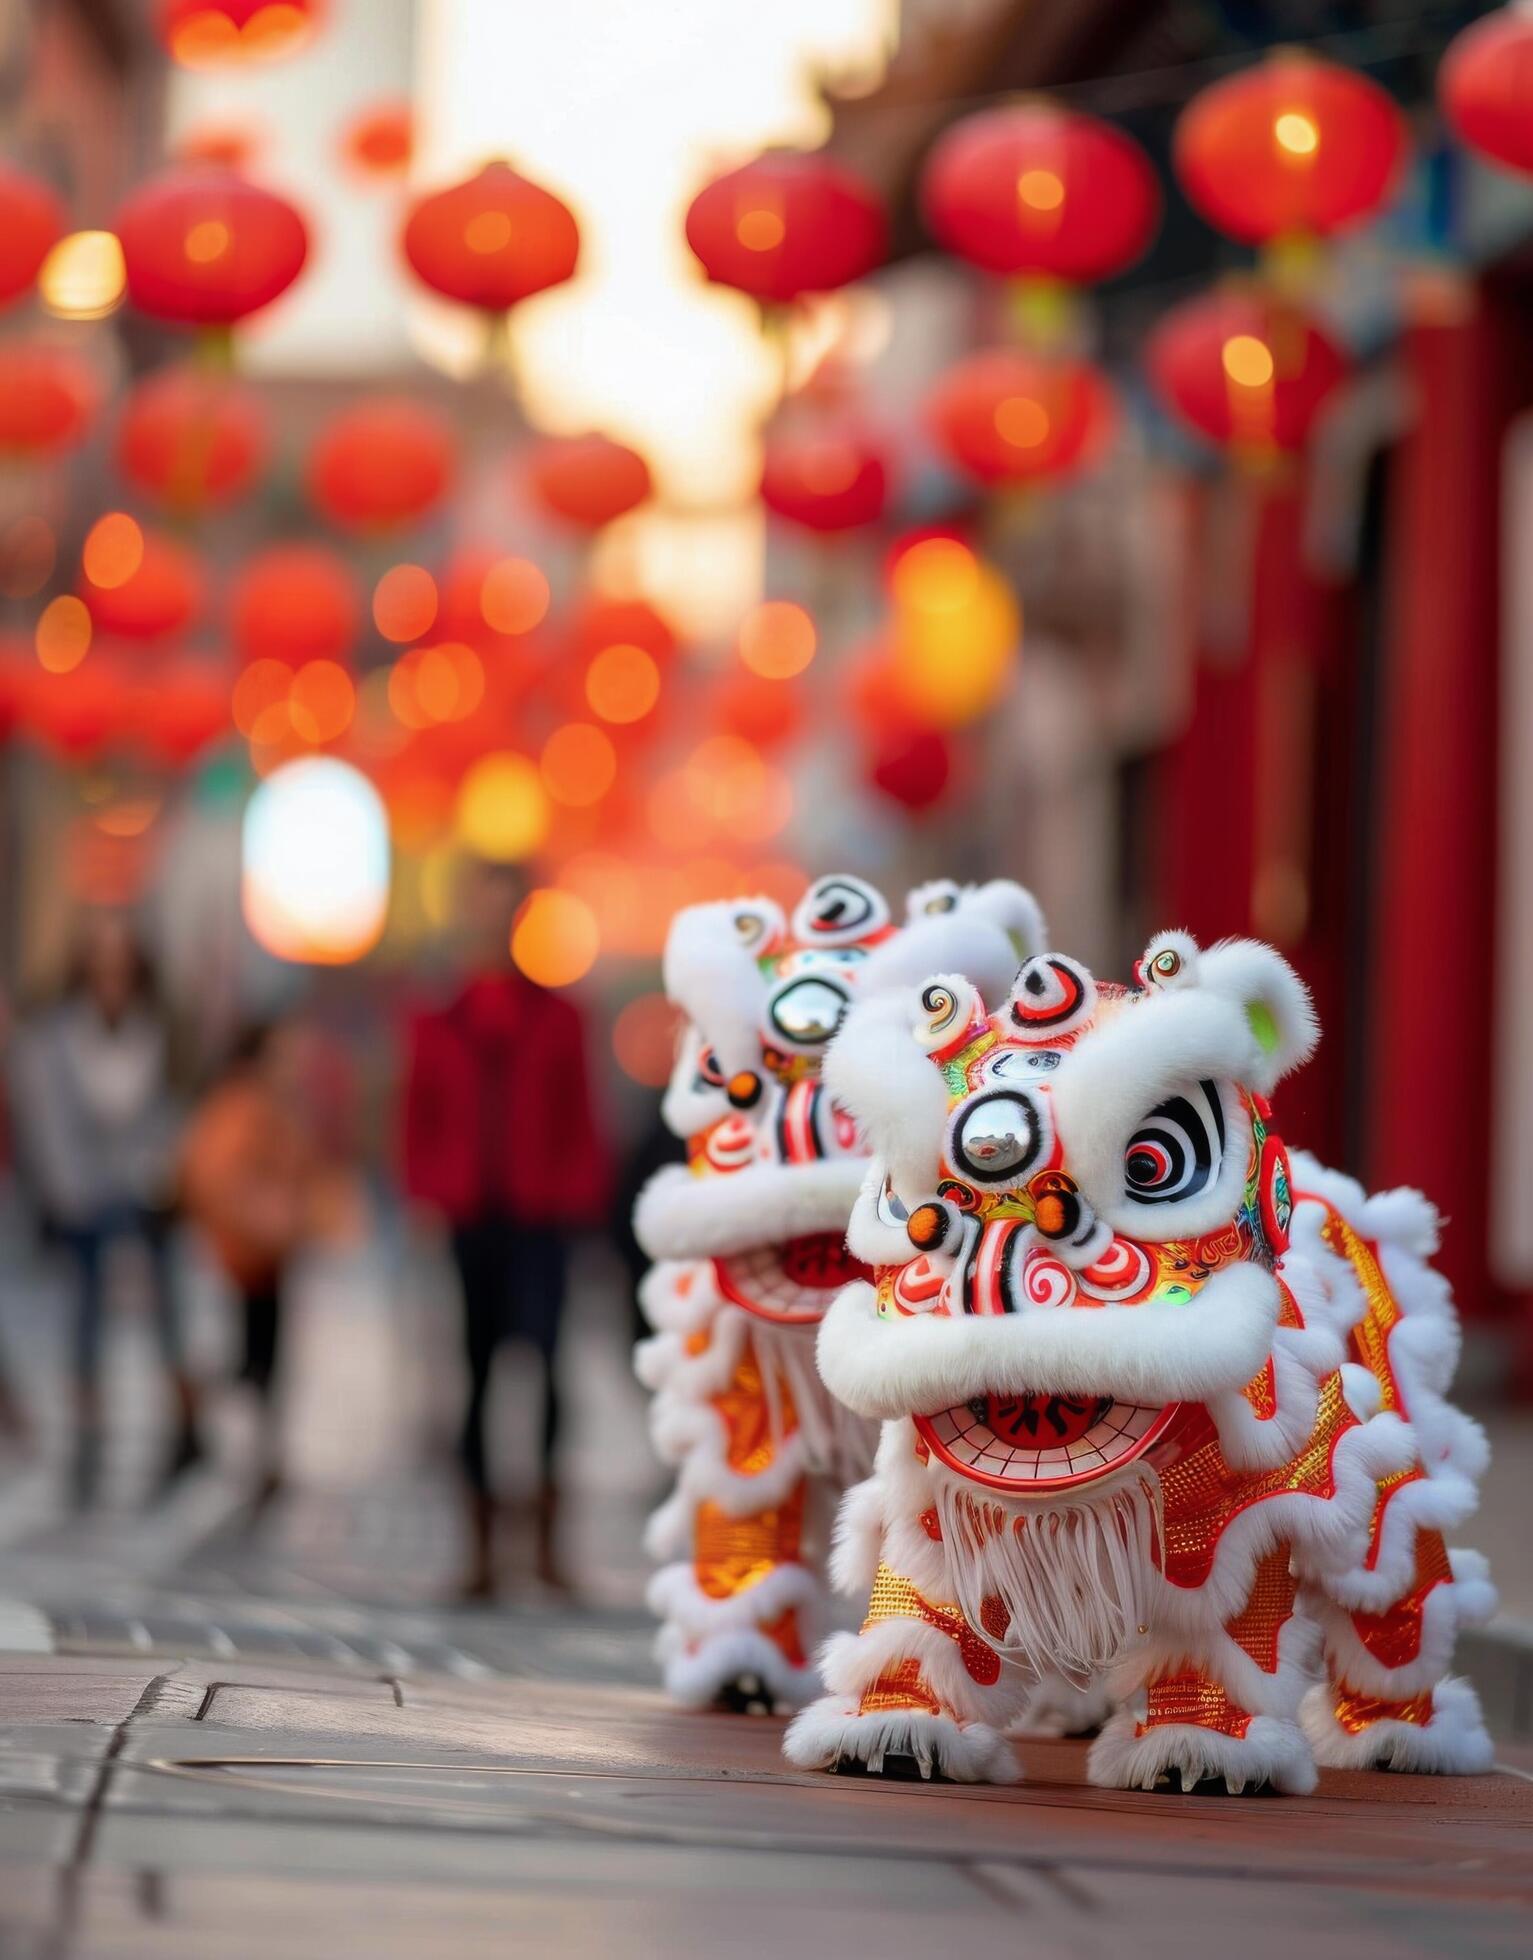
[249, 1177]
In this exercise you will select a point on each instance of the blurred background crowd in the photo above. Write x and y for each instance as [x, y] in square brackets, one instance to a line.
[477, 475]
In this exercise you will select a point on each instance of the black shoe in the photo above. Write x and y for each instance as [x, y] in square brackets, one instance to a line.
[1169, 1784]
[897, 1767]
[747, 1694]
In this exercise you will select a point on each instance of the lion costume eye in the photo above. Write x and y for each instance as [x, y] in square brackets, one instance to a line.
[709, 1074]
[999, 1137]
[1177, 1150]
[809, 1011]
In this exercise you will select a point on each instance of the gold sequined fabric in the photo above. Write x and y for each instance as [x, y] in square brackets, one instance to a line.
[1370, 1338]
[1202, 1493]
[1267, 1610]
[1356, 1712]
[903, 1688]
[747, 1416]
[1192, 1701]
[894, 1598]
[1393, 1637]
[730, 1554]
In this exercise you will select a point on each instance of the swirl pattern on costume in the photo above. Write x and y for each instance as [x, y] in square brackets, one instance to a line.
[1177, 1150]
[1123, 1271]
[1051, 996]
[1047, 1281]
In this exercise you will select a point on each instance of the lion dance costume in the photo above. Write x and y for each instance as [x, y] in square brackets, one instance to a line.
[1159, 1406]
[749, 1243]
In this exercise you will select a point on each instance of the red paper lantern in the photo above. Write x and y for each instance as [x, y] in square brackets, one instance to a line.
[32, 221]
[786, 225]
[163, 594]
[206, 248]
[492, 241]
[599, 623]
[912, 768]
[1039, 190]
[588, 480]
[183, 711]
[381, 463]
[1485, 85]
[48, 396]
[826, 475]
[380, 141]
[1006, 417]
[295, 603]
[1293, 146]
[1247, 372]
[79, 715]
[225, 33]
[192, 440]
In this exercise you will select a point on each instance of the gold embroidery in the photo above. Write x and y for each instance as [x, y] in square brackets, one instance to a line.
[731, 1554]
[1268, 1608]
[1192, 1701]
[1393, 1637]
[1370, 1338]
[1356, 1712]
[895, 1598]
[899, 1687]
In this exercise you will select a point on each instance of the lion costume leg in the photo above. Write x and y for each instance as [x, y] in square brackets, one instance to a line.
[733, 1598]
[1388, 1701]
[1218, 1706]
[917, 1692]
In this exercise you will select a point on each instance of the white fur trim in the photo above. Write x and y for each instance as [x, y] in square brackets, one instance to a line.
[857, 1539]
[695, 1675]
[1257, 979]
[963, 941]
[1271, 1751]
[681, 1216]
[1155, 1352]
[831, 1730]
[898, 1095]
[673, 1595]
[1125, 1066]
[1056, 1707]
[1453, 1743]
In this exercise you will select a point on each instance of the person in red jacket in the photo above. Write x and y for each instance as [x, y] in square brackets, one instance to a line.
[501, 1138]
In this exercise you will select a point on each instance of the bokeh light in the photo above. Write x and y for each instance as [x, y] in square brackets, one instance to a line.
[622, 683]
[957, 626]
[84, 277]
[644, 1039]
[579, 764]
[405, 603]
[514, 597]
[113, 551]
[777, 640]
[502, 808]
[63, 634]
[315, 856]
[555, 939]
[321, 701]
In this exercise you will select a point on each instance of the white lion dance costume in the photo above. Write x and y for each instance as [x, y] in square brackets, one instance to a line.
[749, 1240]
[1155, 1406]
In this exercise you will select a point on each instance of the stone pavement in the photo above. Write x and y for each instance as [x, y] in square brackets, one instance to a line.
[203, 1806]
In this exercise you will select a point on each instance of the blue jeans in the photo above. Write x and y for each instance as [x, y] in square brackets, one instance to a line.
[86, 1244]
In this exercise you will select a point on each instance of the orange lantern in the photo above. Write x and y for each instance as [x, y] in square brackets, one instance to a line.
[32, 221]
[224, 33]
[1245, 371]
[1291, 147]
[379, 142]
[294, 603]
[492, 241]
[785, 225]
[1042, 191]
[145, 592]
[48, 396]
[190, 439]
[587, 480]
[79, 715]
[205, 247]
[826, 475]
[380, 464]
[1485, 85]
[1011, 418]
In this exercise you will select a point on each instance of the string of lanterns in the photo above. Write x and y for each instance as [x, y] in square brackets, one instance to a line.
[524, 733]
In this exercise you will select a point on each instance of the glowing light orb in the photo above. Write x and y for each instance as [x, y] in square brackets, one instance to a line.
[556, 938]
[777, 640]
[502, 809]
[84, 277]
[315, 883]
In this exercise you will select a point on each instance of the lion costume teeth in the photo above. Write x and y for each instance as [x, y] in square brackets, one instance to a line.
[1164, 1411]
[749, 1243]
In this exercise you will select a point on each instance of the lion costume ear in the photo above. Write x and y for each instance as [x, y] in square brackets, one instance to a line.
[879, 1069]
[1273, 999]
[710, 972]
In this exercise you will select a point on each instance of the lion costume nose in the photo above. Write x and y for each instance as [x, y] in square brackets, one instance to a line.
[1059, 1210]
[744, 1089]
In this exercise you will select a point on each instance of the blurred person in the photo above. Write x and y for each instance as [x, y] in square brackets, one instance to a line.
[250, 1174]
[500, 1138]
[97, 1124]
